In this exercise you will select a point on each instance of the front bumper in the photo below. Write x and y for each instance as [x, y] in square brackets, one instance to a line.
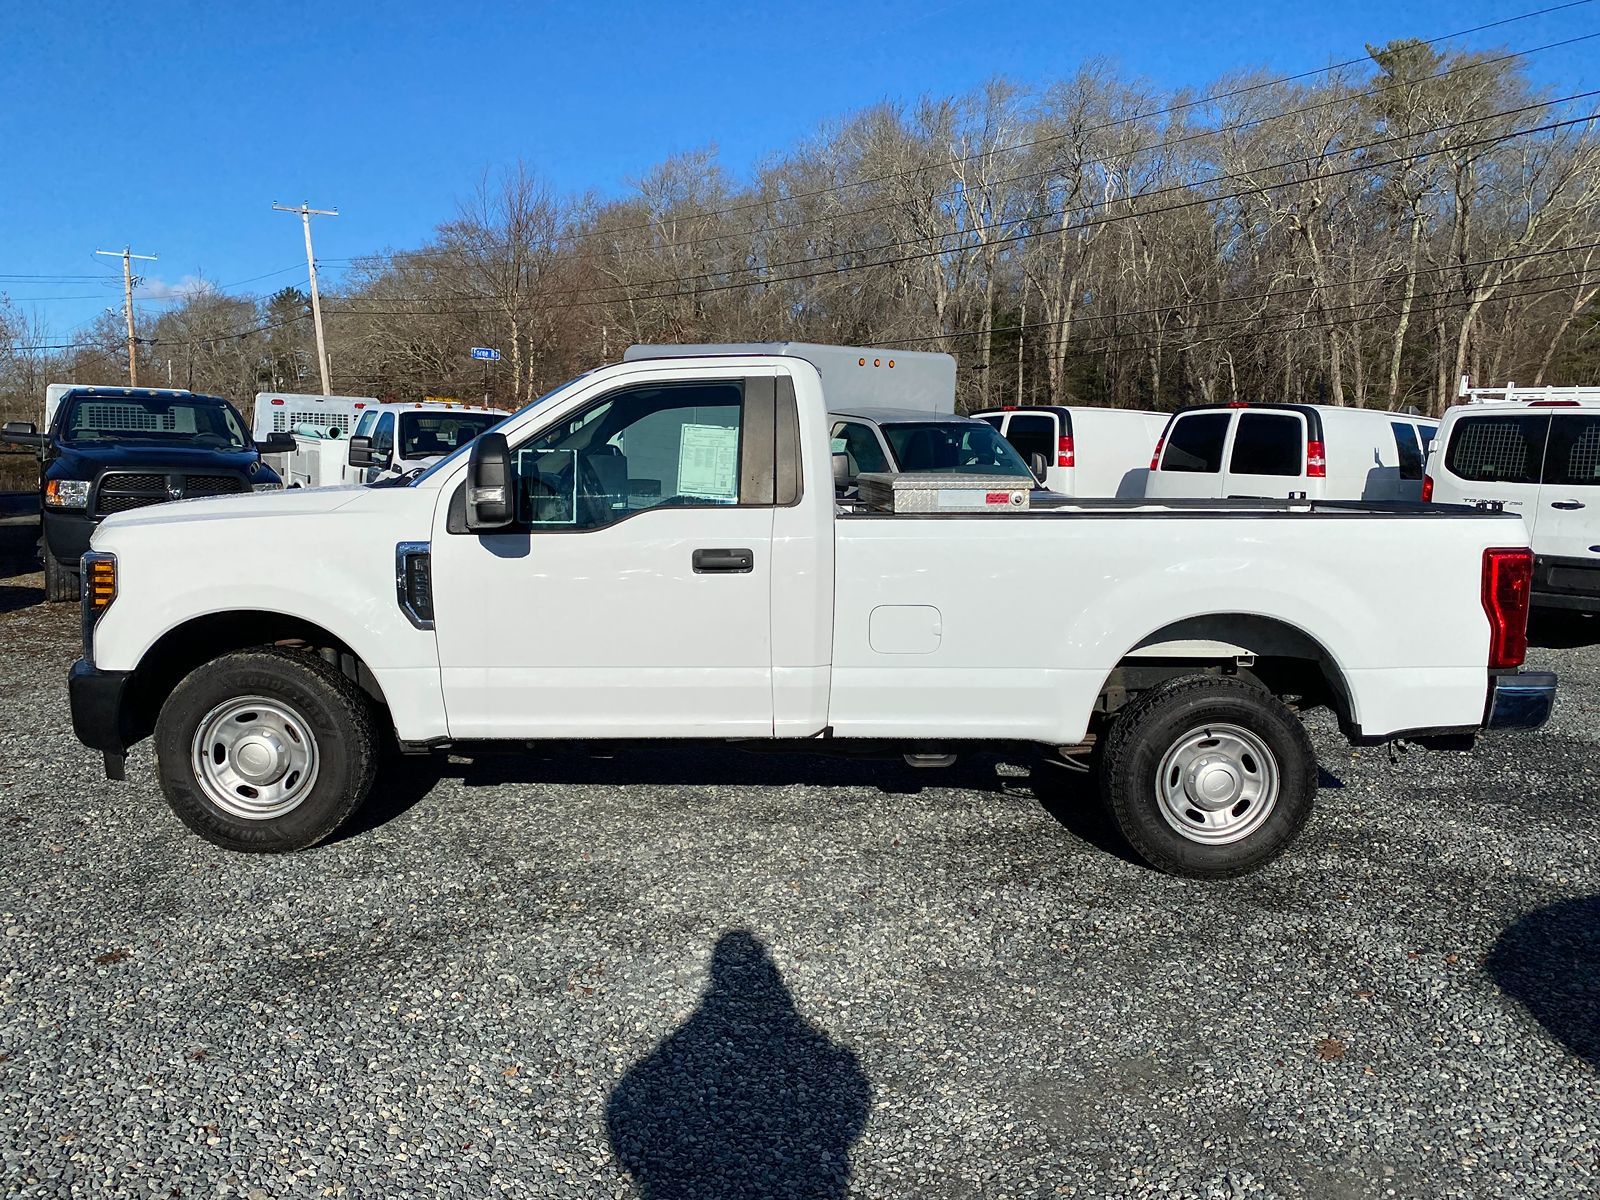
[1520, 701]
[97, 712]
[66, 534]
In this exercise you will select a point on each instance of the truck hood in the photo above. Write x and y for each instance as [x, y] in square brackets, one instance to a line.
[294, 502]
[82, 462]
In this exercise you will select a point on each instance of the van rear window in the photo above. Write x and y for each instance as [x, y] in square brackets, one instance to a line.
[1500, 449]
[1268, 444]
[1408, 448]
[1574, 457]
[1195, 443]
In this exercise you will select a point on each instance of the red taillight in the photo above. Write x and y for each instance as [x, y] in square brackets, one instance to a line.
[1064, 455]
[1552, 404]
[1155, 459]
[276, 400]
[1427, 488]
[1507, 589]
[1316, 461]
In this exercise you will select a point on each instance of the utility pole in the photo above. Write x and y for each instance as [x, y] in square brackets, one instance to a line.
[306, 213]
[127, 258]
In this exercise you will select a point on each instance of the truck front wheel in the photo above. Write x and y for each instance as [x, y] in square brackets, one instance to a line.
[1208, 777]
[60, 583]
[265, 750]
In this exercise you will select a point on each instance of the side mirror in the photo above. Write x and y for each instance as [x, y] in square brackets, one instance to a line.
[21, 433]
[1039, 465]
[490, 495]
[841, 472]
[360, 454]
[277, 443]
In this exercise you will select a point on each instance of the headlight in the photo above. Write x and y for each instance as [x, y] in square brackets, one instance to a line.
[266, 487]
[66, 493]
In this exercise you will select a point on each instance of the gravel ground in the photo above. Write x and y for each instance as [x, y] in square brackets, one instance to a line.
[714, 974]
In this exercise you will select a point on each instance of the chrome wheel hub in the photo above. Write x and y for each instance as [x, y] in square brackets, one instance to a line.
[255, 758]
[1217, 784]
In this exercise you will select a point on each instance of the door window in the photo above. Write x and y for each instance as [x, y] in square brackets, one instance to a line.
[1268, 444]
[1499, 449]
[365, 424]
[383, 436]
[1407, 446]
[861, 448]
[650, 447]
[1033, 433]
[1196, 443]
[1574, 457]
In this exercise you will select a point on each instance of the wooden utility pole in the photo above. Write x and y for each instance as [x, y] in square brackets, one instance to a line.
[306, 213]
[127, 258]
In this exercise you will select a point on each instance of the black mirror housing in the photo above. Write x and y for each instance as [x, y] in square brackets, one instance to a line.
[841, 471]
[1039, 465]
[360, 453]
[21, 433]
[491, 495]
[277, 443]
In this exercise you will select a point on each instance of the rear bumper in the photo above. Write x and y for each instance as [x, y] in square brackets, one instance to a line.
[1569, 583]
[1520, 701]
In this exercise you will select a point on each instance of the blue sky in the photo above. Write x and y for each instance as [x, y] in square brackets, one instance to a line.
[173, 125]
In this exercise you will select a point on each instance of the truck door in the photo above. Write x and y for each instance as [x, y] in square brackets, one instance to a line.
[1268, 455]
[634, 598]
[1568, 520]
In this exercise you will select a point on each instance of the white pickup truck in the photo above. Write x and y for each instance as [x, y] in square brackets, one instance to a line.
[653, 550]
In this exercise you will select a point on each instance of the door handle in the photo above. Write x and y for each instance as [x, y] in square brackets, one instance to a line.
[1567, 505]
[724, 562]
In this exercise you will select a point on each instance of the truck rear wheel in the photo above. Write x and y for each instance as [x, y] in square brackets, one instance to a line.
[265, 750]
[1208, 777]
[60, 583]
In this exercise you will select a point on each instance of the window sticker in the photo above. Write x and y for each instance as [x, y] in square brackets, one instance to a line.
[708, 462]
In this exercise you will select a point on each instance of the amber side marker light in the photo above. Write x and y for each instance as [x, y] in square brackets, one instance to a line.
[100, 584]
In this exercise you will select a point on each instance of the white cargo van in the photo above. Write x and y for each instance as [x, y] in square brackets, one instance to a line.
[1541, 459]
[1086, 451]
[1265, 451]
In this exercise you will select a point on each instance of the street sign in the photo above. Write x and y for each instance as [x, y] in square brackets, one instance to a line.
[486, 354]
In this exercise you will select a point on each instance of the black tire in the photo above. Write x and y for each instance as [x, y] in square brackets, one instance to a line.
[338, 715]
[1141, 736]
[60, 583]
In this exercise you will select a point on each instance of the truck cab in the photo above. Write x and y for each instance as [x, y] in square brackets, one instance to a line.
[395, 439]
[108, 450]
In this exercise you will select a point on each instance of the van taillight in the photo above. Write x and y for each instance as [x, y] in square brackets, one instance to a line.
[1155, 459]
[1507, 590]
[1064, 455]
[1316, 461]
[1427, 488]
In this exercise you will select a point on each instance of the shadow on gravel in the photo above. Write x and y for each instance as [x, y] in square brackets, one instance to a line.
[15, 596]
[1549, 960]
[1072, 800]
[747, 1100]
[1563, 630]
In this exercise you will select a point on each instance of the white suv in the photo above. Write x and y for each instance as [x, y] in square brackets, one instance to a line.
[1539, 458]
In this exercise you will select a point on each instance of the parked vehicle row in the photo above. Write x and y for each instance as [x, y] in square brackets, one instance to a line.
[656, 550]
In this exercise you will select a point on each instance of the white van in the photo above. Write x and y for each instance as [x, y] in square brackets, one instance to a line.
[1539, 458]
[393, 439]
[1320, 451]
[1086, 451]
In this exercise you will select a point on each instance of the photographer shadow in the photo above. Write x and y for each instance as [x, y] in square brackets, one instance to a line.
[746, 1100]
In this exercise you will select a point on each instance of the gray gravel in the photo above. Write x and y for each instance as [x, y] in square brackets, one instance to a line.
[709, 974]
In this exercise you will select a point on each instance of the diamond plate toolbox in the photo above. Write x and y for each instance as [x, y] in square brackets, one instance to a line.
[934, 492]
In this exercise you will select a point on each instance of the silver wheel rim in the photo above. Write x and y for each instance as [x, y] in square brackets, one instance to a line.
[255, 758]
[1217, 784]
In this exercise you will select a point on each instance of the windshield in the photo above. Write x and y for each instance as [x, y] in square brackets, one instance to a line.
[428, 435]
[90, 420]
[444, 463]
[966, 446]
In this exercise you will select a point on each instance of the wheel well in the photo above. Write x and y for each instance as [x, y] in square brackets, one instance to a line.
[1283, 659]
[183, 648]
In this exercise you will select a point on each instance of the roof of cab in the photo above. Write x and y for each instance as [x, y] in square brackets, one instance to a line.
[885, 415]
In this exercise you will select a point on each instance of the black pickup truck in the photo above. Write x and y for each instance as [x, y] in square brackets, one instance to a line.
[106, 450]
